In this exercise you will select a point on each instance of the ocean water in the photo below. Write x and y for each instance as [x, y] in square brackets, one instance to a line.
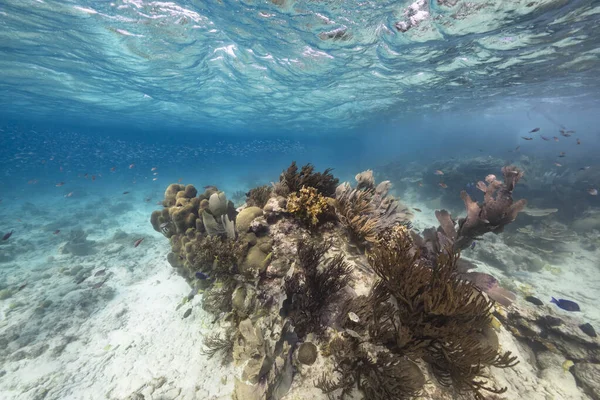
[103, 104]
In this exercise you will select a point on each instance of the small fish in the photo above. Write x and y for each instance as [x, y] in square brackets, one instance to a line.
[23, 286]
[584, 168]
[69, 194]
[125, 192]
[154, 169]
[210, 187]
[202, 275]
[154, 179]
[156, 173]
[148, 199]
[137, 242]
[517, 148]
[473, 245]
[131, 166]
[59, 184]
[558, 164]
[566, 366]
[588, 329]
[534, 300]
[101, 272]
[353, 317]
[593, 192]
[420, 184]
[93, 177]
[534, 130]
[565, 134]
[443, 185]
[99, 284]
[187, 313]
[85, 176]
[526, 138]
[7, 235]
[562, 154]
[555, 138]
[544, 137]
[417, 209]
[438, 172]
[56, 232]
[566, 305]
[113, 169]
[80, 280]
[179, 180]
[578, 141]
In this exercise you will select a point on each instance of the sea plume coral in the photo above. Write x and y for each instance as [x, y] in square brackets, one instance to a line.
[292, 181]
[428, 311]
[313, 285]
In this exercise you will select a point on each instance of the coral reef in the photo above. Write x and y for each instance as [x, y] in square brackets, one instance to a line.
[281, 290]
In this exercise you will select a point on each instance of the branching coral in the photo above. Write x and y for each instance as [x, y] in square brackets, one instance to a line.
[311, 287]
[258, 196]
[292, 181]
[309, 206]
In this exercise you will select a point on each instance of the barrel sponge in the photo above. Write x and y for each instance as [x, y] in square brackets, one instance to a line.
[171, 194]
[245, 217]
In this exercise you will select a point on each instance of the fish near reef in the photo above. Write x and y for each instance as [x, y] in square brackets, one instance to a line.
[201, 275]
[566, 305]
[187, 313]
[534, 130]
[534, 300]
[7, 235]
[588, 329]
[137, 242]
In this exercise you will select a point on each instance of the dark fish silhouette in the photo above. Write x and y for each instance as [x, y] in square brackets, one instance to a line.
[526, 138]
[56, 232]
[187, 313]
[125, 192]
[100, 273]
[534, 300]
[544, 137]
[137, 242]
[566, 305]
[473, 245]
[534, 130]
[588, 329]
[202, 275]
[7, 235]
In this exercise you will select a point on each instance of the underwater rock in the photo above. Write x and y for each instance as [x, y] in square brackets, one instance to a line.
[256, 262]
[78, 245]
[245, 218]
[249, 351]
[588, 377]
[307, 353]
[541, 329]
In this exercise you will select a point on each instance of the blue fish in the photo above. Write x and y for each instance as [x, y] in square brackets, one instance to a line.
[473, 245]
[202, 275]
[567, 305]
